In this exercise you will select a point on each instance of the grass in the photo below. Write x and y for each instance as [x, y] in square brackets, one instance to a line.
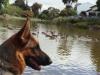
[78, 22]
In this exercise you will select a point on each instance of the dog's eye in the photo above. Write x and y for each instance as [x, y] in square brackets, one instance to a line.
[36, 47]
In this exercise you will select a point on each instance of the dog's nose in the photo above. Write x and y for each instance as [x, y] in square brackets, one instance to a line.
[46, 61]
[50, 61]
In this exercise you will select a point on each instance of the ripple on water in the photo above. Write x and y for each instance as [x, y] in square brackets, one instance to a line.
[61, 70]
[74, 54]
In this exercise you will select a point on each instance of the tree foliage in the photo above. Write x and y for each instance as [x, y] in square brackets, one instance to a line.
[21, 4]
[69, 2]
[3, 5]
[68, 12]
[98, 4]
[4, 2]
[50, 13]
[13, 10]
[53, 12]
[35, 8]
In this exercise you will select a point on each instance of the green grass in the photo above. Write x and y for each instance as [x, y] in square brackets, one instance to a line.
[80, 23]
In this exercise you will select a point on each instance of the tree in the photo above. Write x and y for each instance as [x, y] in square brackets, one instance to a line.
[44, 14]
[35, 8]
[50, 13]
[98, 4]
[63, 12]
[4, 2]
[69, 2]
[53, 12]
[3, 5]
[21, 4]
[68, 12]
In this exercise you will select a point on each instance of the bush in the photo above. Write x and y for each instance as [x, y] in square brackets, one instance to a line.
[60, 20]
[13, 10]
[68, 12]
[50, 13]
[43, 16]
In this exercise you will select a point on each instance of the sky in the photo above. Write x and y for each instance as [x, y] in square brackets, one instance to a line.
[54, 3]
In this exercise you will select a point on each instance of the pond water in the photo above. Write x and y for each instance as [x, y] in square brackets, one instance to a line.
[73, 51]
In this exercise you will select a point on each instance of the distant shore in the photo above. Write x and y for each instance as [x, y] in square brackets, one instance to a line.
[85, 23]
[9, 17]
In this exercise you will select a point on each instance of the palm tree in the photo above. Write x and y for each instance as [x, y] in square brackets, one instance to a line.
[35, 8]
[69, 2]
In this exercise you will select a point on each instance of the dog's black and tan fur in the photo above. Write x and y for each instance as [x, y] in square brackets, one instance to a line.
[21, 50]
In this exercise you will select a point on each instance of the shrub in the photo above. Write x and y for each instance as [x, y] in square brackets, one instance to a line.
[68, 12]
[13, 10]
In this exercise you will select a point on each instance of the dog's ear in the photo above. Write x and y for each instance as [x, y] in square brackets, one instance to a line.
[24, 34]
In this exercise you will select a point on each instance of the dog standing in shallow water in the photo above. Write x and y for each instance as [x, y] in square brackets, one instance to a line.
[21, 50]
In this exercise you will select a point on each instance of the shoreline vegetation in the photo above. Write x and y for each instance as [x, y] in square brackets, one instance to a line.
[76, 22]
[84, 23]
[66, 17]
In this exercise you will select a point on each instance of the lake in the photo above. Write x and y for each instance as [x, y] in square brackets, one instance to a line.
[73, 51]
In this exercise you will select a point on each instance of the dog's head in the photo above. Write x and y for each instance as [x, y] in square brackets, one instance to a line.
[33, 55]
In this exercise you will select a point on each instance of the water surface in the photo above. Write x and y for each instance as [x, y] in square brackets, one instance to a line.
[73, 51]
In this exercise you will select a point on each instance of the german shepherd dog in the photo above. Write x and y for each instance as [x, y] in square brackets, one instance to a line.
[21, 50]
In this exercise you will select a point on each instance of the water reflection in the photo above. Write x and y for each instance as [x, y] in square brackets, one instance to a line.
[96, 54]
[73, 51]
